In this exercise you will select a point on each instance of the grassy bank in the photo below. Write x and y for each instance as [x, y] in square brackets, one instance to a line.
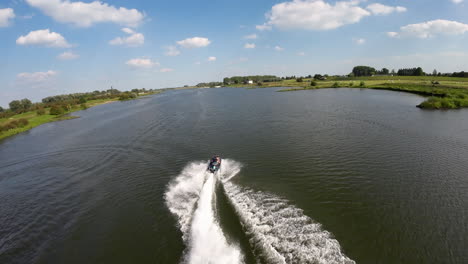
[34, 119]
[442, 92]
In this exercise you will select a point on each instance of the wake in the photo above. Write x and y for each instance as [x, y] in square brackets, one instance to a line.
[278, 232]
[191, 199]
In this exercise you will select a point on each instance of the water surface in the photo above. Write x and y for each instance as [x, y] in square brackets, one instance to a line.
[332, 175]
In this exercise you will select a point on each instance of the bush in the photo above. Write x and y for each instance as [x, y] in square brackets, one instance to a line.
[14, 124]
[40, 111]
[362, 84]
[22, 122]
[351, 84]
[66, 107]
[336, 85]
[124, 96]
[299, 80]
[313, 83]
[84, 106]
[56, 110]
[127, 96]
[259, 84]
[82, 100]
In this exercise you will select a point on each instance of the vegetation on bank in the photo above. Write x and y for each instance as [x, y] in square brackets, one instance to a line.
[24, 115]
[444, 90]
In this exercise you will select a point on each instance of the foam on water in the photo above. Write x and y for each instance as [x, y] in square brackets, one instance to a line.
[191, 198]
[278, 231]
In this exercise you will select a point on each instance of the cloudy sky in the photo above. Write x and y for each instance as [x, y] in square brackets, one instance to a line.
[50, 47]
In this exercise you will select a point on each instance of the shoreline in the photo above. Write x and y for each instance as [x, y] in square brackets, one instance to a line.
[35, 120]
[441, 93]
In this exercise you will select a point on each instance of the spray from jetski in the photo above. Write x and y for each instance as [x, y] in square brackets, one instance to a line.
[278, 231]
[191, 198]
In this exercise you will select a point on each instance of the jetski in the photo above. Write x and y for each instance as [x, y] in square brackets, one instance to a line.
[215, 164]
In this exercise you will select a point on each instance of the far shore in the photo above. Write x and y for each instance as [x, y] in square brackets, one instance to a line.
[441, 92]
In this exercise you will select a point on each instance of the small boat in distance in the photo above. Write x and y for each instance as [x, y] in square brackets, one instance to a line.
[215, 164]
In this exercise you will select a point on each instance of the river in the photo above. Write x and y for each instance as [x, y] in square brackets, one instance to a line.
[319, 176]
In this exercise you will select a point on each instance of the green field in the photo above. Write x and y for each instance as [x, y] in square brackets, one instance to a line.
[442, 92]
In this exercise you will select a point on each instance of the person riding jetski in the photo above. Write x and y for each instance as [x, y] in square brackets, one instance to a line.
[215, 163]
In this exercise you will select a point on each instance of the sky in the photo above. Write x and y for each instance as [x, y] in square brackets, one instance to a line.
[50, 47]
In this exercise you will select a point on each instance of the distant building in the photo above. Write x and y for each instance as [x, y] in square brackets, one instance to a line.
[249, 82]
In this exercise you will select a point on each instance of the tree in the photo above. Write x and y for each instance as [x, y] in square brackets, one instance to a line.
[1, 109]
[419, 72]
[385, 71]
[434, 72]
[15, 105]
[318, 77]
[393, 72]
[363, 71]
[26, 104]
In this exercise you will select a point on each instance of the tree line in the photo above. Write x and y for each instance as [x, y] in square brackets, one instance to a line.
[254, 78]
[60, 104]
[359, 71]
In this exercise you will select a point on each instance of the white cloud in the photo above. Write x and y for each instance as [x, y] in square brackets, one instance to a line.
[457, 1]
[67, 55]
[249, 45]
[141, 63]
[166, 70]
[301, 53]
[263, 27]
[430, 29]
[134, 40]
[128, 30]
[314, 15]
[43, 37]
[84, 14]
[278, 48]
[172, 51]
[36, 76]
[195, 42]
[5, 15]
[379, 9]
[211, 58]
[359, 41]
[251, 36]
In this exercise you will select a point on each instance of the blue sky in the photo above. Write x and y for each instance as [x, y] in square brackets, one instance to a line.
[50, 47]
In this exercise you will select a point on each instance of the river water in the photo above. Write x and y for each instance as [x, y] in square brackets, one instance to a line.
[320, 176]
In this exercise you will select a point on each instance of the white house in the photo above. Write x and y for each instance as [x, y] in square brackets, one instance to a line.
[250, 82]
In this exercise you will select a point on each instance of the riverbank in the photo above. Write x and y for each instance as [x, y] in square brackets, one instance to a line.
[34, 118]
[442, 92]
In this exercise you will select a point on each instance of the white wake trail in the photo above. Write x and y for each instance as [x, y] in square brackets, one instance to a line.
[191, 199]
[280, 231]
